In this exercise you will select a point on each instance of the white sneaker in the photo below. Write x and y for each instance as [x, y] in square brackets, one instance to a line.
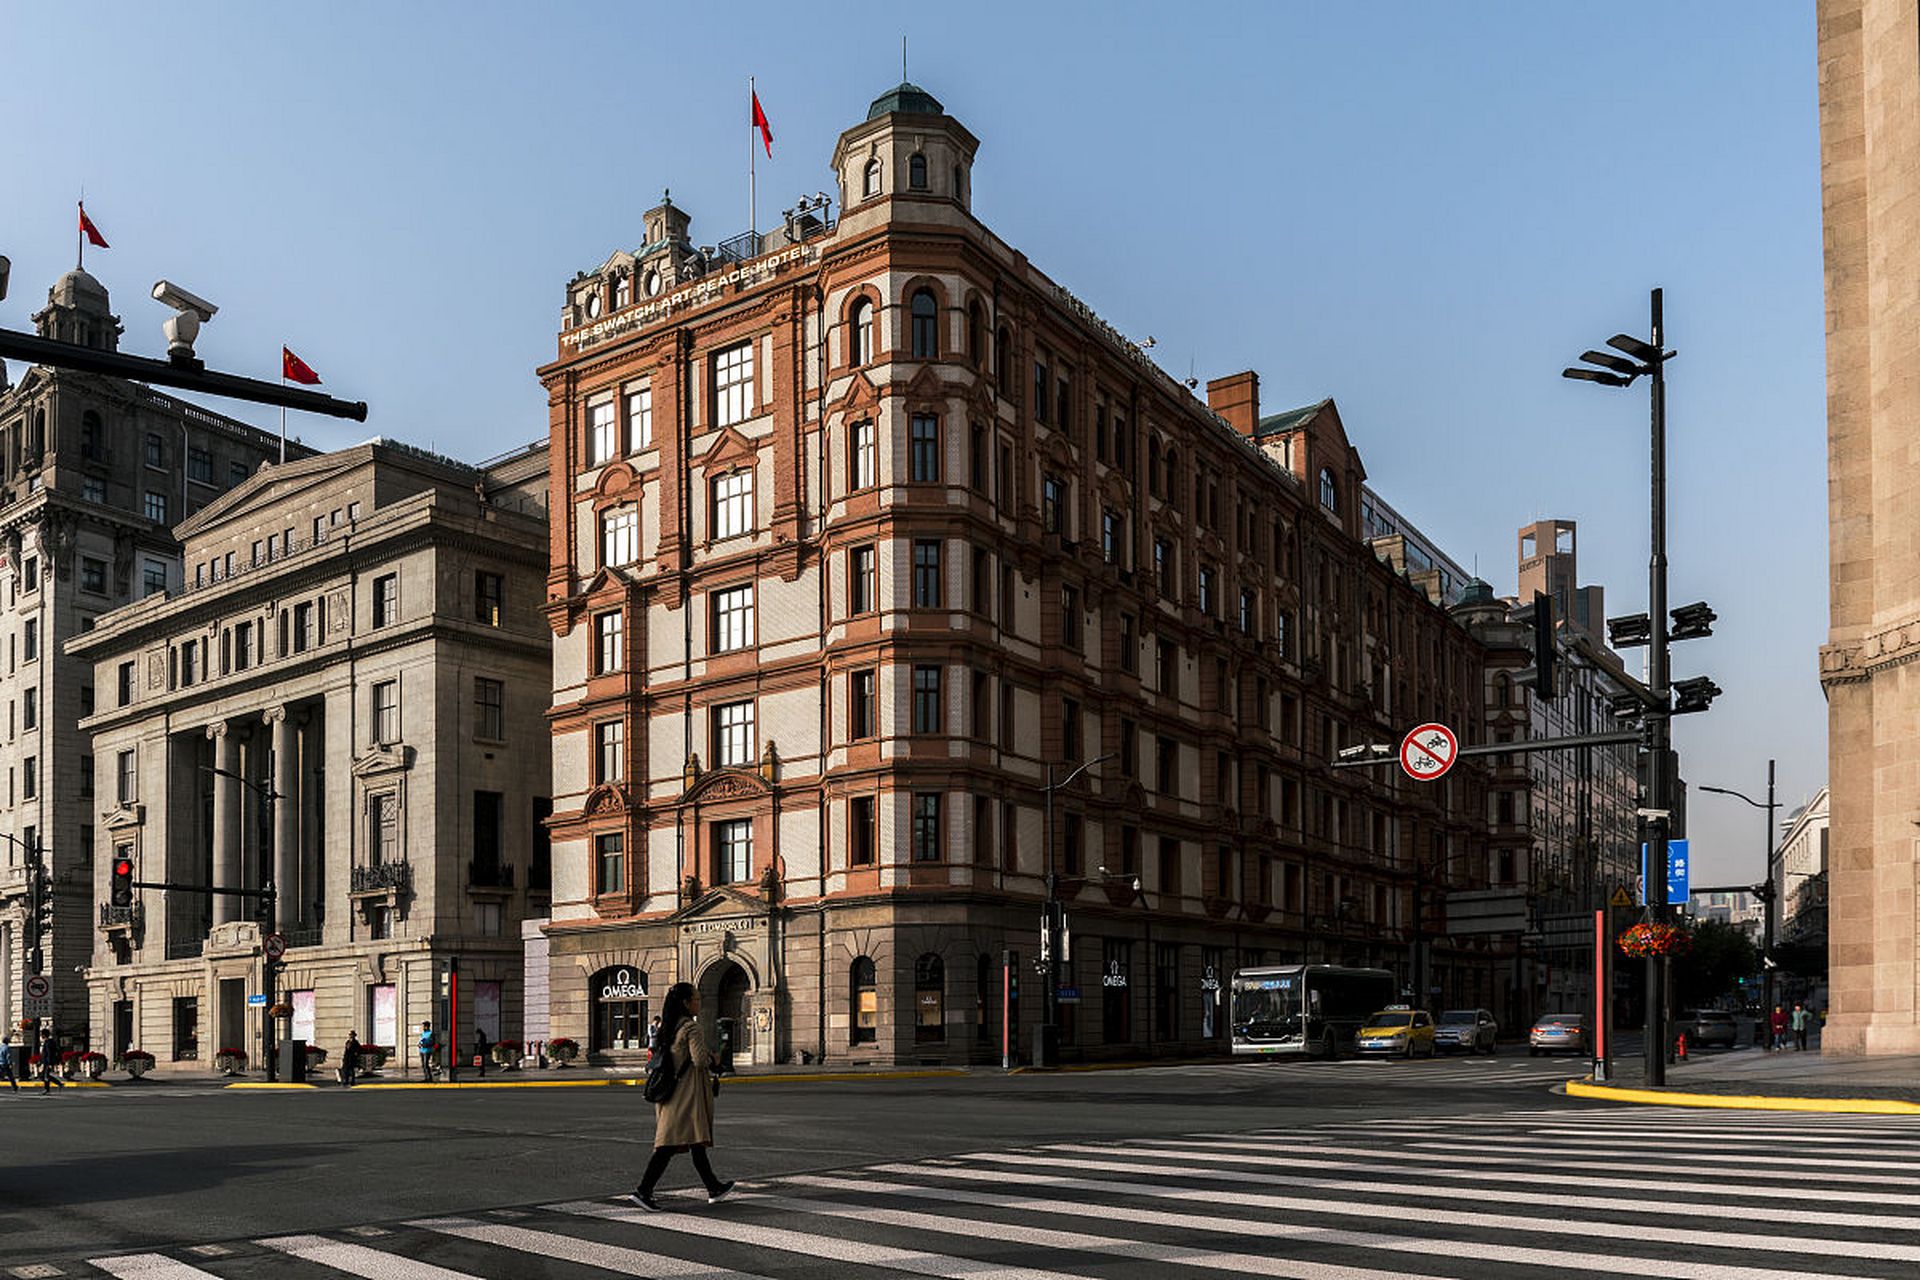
[726, 1189]
[645, 1202]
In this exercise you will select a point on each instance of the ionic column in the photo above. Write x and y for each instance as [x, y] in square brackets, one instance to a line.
[289, 905]
[227, 860]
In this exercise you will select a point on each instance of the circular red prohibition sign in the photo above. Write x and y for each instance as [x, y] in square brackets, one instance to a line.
[1428, 752]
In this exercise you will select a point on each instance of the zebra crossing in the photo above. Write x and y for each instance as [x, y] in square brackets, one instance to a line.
[1420, 1072]
[1603, 1191]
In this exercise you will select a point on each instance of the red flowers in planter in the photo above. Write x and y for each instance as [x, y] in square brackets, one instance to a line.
[1652, 938]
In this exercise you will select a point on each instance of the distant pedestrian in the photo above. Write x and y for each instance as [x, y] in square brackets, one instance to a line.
[684, 1120]
[49, 1068]
[480, 1048]
[428, 1043]
[653, 1037]
[6, 1061]
[350, 1059]
[1800, 1021]
[1777, 1024]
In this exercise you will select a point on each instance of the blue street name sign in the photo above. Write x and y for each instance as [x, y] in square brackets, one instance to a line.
[1677, 869]
[258, 997]
[1069, 995]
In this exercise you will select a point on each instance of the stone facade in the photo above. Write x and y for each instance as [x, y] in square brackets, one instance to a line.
[344, 700]
[861, 531]
[1870, 187]
[94, 473]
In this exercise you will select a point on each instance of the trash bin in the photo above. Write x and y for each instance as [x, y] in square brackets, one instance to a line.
[293, 1061]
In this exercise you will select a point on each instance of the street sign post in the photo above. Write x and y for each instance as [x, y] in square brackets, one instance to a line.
[257, 999]
[36, 1007]
[38, 988]
[275, 945]
[1677, 873]
[1428, 752]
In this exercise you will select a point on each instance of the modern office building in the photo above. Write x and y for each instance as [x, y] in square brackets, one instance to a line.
[345, 700]
[94, 474]
[864, 532]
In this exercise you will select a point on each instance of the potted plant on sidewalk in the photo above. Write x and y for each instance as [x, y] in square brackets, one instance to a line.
[230, 1062]
[316, 1058]
[136, 1062]
[563, 1050]
[507, 1054]
[372, 1058]
[90, 1065]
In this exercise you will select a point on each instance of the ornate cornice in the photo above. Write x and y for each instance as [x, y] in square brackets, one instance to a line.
[1852, 661]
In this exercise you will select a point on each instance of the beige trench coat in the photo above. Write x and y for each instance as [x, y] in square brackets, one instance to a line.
[685, 1119]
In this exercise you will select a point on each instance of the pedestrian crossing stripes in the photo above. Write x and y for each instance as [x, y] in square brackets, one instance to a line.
[1578, 1191]
[1420, 1073]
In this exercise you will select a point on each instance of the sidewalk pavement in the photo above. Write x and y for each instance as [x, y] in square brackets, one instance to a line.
[555, 1077]
[1785, 1079]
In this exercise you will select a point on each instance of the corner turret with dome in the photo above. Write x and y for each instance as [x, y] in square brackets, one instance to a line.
[907, 147]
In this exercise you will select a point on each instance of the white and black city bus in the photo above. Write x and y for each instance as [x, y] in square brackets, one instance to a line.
[1306, 1008]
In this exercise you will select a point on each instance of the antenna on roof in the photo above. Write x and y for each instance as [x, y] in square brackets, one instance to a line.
[903, 59]
[1192, 381]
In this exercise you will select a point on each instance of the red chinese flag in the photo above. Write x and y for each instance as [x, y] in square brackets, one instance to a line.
[93, 235]
[294, 369]
[760, 123]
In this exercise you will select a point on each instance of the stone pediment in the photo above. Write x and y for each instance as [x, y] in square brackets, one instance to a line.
[380, 760]
[927, 386]
[606, 798]
[723, 902]
[726, 784]
[271, 484]
[731, 450]
[861, 397]
[124, 817]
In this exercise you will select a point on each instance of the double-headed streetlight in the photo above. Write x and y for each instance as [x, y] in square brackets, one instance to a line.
[1765, 890]
[1636, 358]
[1047, 1051]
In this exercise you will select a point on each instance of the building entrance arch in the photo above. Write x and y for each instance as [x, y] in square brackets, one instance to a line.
[725, 996]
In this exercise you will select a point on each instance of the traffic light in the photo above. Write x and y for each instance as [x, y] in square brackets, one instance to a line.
[120, 887]
[43, 899]
[1546, 654]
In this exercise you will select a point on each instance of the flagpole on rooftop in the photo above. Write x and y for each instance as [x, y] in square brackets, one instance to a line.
[283, 414]
[753, 159]
[80, 235]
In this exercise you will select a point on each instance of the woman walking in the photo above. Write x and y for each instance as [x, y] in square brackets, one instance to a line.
[684, 1121]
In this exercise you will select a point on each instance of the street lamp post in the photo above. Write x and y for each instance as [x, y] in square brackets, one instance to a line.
[1047, 1050]
[1767, 889]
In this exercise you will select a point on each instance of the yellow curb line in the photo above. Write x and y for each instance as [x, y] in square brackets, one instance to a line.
[633, 1083]
[71, 1084]
[262, 1084]
[810, 1077]
[1744, 1102]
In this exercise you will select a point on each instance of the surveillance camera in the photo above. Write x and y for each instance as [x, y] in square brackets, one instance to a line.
[180, 300]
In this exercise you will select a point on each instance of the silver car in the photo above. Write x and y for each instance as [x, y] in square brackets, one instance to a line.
[1468, 1029]
[1558, 1033]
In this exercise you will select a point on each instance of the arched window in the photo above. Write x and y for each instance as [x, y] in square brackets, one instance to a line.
[1502, 691]
[976, 334]
[860, 333]
[1329, 491]
[863, 1001]
[917, 171]
[926, 341]
[929, 999]
[1173, 477]
[870, 180]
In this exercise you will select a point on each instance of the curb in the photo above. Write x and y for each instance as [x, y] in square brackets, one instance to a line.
[1743, 1102]
[633, 1082]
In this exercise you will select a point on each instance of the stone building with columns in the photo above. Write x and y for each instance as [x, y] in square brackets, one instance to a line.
[345, 699]
[94, 473]
[863, 529]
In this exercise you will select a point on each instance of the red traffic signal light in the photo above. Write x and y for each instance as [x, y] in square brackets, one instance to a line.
[120, 891]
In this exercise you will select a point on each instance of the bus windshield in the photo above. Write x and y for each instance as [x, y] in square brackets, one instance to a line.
[1263, 1006]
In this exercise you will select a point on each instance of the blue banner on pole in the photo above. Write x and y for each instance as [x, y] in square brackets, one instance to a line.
[1677, 873]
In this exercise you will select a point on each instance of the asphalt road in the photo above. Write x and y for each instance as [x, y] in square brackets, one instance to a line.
[89, 1172]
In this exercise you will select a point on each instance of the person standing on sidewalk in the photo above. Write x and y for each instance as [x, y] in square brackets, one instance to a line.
[349, 1059]
[1777, 1024]
[684, 1121]
[6, 1060]
[49, 1069]
[428, 1042]
[480, 1047]
[1799, 1021]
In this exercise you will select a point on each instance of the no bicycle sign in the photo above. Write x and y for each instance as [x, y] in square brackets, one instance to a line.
[1428, 752]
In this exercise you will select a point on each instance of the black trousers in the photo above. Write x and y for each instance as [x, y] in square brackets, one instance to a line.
[663, 1156]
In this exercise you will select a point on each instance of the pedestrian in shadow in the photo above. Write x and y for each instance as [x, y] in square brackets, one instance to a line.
[480, 1047]
[1799, 1021]
[683, 1120]
[49, 1068]
[1777, 1026]
[6, 1060]
[350, 1059]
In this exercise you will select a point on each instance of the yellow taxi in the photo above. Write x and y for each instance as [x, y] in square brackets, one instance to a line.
[1398, 1028]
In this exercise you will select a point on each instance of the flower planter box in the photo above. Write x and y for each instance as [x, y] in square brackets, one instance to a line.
[505, 1053]
[136, 1062]
[230, 1062]
[90, 1066]
[562, 1051]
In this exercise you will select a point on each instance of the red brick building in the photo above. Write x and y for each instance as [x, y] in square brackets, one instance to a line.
[858, 527]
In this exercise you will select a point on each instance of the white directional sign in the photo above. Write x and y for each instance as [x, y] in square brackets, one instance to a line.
[36, 1007]
[38, 988]
[1428, 752]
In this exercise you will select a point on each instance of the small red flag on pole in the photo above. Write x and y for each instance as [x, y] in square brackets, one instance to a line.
[294, 369]
[760, 123]
[91, 232]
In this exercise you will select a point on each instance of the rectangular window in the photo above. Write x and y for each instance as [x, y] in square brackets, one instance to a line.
[1129, 763]
[620, 535]
[489, 597]
[242, 645]
[926, 699]
[1007, 738]
[926, 573]
[236, 474]
[156, 450]
[386, 712]
[1166, 766]
[1070, 728]
[303, 632]
[923, 443]
[490, 708]
[926, 826]
[610, 862]
[1165, 676]
[86, 781]
[30, 778]
[861, 832]
[94, 489]
[126, 778]
[1042, 383]
[860, 703]
[733, 851]
[980, 724]
[733, 505]
[1165, 572]
[733, 745]
[1249, 612]
[489, 812]
[124, 684]
[982, 601]
[1113, 538]
[386, 599]
[156, 506]
[640, 419]
[1053, 501]
[608, 642]
[1070, 617]
[1129, 644]
[603, 433]
[861, 470]
[862, 583]
[1208, 576]
[977, 458]
[609, 751]
[383, 827]
[29, 707]
[733, 385]
[30, 572]
[732, 619]
[93, 575]
[153, 577]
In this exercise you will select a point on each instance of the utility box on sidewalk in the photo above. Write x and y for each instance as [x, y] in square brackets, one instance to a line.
[293, 1061]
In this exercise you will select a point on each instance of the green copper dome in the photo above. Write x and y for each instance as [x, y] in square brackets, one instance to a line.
[908, 98]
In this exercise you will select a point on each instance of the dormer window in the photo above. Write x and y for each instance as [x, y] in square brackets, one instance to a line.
[622, 291]
[870, 181]
[593, 305]
[860, 333]
[1329, 491]
[917, 172]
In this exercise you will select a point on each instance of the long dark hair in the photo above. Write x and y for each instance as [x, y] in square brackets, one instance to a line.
[674, 1011]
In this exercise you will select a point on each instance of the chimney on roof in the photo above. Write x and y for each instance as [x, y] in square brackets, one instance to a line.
[1236, 398]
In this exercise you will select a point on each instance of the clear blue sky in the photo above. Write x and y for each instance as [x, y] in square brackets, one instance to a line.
[1424, 211]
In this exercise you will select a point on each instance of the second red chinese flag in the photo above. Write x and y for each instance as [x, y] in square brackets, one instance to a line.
[294, 369]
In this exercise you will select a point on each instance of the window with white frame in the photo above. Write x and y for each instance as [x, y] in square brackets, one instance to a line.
[861, 470]
[620, 535]
[860, 333]
[489, 708]
[863, 586]
[610, 862]
[607, 633]
[386, 712]
[733, 504]
[733, 385]
[923, 449]
[732, 618]
[127, 783]
[639, 418]
[609, 751]
[733, 744]
[603, 432]
[733, 851]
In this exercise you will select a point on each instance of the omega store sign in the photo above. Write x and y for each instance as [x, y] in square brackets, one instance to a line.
[623, 983]
[619, 1009]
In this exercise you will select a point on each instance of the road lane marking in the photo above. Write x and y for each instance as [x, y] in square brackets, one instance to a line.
[148, 1266]
[359, 1260]
[608, 1257]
